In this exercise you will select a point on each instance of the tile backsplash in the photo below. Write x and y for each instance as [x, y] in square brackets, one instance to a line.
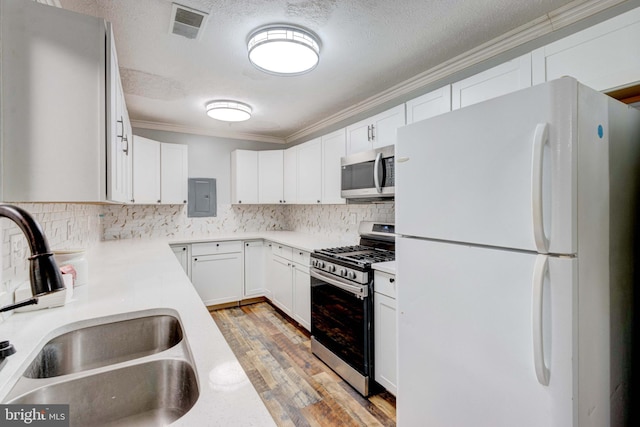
[145, 221]
[339, 222]
[66, 226]
[333, 221]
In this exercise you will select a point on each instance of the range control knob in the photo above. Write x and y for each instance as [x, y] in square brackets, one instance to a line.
[343, 272]
[331, 268]
[314, 262]
[351, 275]
[320, 264]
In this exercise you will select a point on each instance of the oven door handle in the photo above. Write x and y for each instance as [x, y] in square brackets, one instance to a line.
[359, 291]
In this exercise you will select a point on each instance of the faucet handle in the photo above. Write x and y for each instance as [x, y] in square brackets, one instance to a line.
[6, 349]
[18, 305]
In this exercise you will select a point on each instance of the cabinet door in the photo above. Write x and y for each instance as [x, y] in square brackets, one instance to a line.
[254, 268]
[182, 253]
[282, 284]
[429, 105]
[270, 186]
[302, 296]
[118, 179]
[599, 57]
[218, 278]
[54, 65]
[310, 172]
[385, 126]
[146, 170]
[290, 175]
[500, 80]
[359, 137]
[333, 149]
[385, 342]
[174, 174]
[244, 176]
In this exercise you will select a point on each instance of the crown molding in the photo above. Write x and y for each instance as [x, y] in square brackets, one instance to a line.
[569, 14]
[141, 124]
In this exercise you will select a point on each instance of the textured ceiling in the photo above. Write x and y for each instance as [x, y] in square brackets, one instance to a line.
[367, 46]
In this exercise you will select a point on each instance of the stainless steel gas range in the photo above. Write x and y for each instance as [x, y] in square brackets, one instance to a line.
[342, 303]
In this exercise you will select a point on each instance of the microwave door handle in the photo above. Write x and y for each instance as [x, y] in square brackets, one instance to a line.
[376, 169]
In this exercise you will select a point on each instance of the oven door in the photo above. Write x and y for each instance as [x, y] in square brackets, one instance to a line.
[369, 174]
[341, 320]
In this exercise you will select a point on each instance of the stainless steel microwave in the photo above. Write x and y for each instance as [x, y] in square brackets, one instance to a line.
[369, 175]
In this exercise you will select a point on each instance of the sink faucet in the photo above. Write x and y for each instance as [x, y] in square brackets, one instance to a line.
[43, 270]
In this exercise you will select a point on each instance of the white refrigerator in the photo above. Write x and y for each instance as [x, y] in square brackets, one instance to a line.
[515, 261]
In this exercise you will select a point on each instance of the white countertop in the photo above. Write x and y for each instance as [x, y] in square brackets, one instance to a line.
[387, 267]
[132, 275]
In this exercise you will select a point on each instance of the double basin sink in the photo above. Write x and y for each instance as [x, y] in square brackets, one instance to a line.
[133, 372]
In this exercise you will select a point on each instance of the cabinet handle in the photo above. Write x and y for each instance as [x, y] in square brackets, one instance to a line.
[159, 201]
[391, 280]
[247, 244]
[217, 244]
[239, 201]
[368, 133]
[299, 253]
[279, 247]
[284, 201]
[373, 135]
[184, 249]
[184, 201]
[125, 144]
[195, 259]
[318, 201]
[121, 121]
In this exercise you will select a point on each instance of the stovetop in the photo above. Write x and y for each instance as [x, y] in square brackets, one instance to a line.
[361, 255]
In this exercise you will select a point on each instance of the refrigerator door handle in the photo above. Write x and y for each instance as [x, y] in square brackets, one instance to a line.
[539, 273]
[540, 138]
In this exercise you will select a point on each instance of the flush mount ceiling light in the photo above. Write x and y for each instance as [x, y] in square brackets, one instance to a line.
[283, 49]
[228, 111]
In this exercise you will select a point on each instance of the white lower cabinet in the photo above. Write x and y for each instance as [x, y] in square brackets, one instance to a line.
[290, 282]
[385, 335]
[254, 268]
[282, 284]
[182, 253]
[217, 271]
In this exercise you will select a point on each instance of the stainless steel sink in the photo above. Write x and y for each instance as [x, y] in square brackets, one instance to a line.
[148, 394]
[115, 372]
[105, 344]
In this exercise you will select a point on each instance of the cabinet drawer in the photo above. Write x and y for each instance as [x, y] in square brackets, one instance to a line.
[301, 258]
[384, 283]
[212, 248]
[282, 250]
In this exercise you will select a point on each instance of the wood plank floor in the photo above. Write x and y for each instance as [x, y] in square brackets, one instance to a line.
[297, 388]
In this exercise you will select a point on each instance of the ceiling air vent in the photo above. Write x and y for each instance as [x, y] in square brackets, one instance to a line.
[187, 22]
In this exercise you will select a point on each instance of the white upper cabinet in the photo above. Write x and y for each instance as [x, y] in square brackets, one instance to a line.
[333, 149]
[244, 176]
[54, 86]
[505, 78]
[270, 176]
[310, 172]
[174, 174]
[429, 105]
[603, 57]
[160, 172]
[290, 175]
[119, 136]
[146, 170]
[376, 131]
